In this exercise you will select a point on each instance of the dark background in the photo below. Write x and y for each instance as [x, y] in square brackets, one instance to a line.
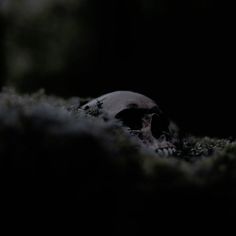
[180, 53]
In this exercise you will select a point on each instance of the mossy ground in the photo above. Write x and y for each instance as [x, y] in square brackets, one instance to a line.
[52, 153]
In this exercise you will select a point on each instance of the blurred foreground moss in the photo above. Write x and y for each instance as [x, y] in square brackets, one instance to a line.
[56, 154]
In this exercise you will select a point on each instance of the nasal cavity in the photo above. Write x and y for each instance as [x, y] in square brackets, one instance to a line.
[159, 125]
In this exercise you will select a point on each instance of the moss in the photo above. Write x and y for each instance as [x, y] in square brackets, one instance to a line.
[50, 151]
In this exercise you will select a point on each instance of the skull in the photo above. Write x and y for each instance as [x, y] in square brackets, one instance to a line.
[141, 115]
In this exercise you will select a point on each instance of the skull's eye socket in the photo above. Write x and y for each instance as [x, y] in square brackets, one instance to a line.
[159, 125]
[131, 118]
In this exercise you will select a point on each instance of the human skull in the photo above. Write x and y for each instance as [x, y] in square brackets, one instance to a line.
[141, 115]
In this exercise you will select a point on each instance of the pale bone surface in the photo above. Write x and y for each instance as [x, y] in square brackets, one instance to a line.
[141, 115]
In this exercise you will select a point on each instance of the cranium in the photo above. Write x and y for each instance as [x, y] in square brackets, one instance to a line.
[141, 115]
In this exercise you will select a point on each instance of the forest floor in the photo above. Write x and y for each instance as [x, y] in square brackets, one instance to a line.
[49, 139]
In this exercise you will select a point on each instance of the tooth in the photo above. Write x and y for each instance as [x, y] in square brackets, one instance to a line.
[165, 152]
[173, 150]
[170, 151]
[160, 152]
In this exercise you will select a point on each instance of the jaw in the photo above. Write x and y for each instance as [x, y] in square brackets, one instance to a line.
[161, 146]
[163, 149]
